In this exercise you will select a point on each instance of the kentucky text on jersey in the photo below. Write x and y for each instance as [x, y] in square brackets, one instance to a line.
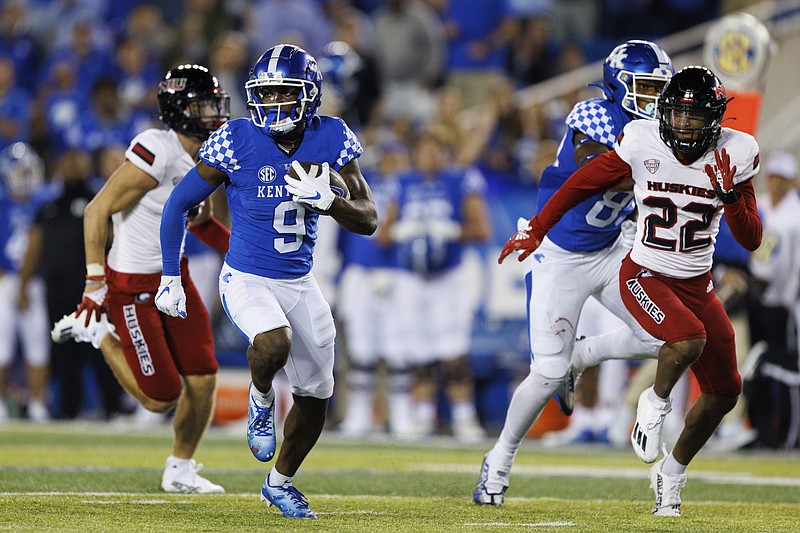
[271, 235]
[680, 188]
[271, 191]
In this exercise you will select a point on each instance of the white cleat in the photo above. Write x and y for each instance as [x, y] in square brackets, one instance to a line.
[73, 327]
[184, 479]
[646, 434]
[667, 490]
[491, 486]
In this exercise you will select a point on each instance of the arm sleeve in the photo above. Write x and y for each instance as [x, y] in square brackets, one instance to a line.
[742, 217]
[190, 191]
[598, 175]
[213, 233]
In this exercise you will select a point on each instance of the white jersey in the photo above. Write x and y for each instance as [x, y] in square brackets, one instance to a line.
[777, 260]
[137, 244]
[679, 211]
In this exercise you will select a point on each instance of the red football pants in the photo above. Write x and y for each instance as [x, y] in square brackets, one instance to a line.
[675, 310]
[160, 348]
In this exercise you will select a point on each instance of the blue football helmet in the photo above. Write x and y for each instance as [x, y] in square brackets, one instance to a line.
[284, 89]
[21, 170]
[630, 66]
[340, 64]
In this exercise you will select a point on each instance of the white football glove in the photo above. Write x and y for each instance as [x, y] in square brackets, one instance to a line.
[628, 232]
[406, 230]
[444, 230]
[170, 298]
[312, 190]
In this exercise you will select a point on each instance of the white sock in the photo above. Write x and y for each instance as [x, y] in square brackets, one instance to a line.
[276, 479]
[618, 344]
[655, 398]
[175, 463]
[464, 412]
[426, 416]
[526, 405]
[263, 399]
[401, 418]
[671, 467]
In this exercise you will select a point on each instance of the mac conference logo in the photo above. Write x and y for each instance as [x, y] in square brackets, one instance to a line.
[267, 174]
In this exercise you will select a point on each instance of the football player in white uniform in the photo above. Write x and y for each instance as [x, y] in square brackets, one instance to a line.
[161, 361]
[665, 281]
[590, 244]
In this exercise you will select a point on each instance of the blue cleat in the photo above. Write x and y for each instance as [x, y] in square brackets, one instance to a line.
[288, 499]
[261, 428]
[565, 394]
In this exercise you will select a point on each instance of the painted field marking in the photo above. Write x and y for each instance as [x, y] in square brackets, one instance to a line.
[618, 473]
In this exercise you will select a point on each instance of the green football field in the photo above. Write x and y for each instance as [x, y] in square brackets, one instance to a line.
[99, 477]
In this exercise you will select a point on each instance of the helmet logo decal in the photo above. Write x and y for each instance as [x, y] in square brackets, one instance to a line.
[267, 174]
[173, 84]
[719, 90]
[615, 60]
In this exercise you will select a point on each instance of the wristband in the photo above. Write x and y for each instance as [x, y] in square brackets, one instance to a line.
[95, 270]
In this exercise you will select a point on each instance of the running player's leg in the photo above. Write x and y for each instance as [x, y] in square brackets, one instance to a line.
[192, 348]
[554, 304]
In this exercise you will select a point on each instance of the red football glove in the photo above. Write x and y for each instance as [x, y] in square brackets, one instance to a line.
[94, 298]
[721, 176]
[527, 239]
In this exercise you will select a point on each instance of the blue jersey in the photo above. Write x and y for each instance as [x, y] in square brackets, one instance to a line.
[16, 218]
[593, 224]
[364, 250]
[426, 203]
[271, 235]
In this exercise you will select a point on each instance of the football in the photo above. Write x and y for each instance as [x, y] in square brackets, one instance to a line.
[337, 184]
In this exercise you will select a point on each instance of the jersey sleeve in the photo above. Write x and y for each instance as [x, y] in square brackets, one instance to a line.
[149, 153]
[744, 152]
[219, 151]
[626, 142]
[350, 146]
[593, 120]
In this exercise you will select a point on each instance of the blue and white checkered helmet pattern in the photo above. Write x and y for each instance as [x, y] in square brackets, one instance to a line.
[284, 68]
[593, 120]
[624, 70]
[218, 152]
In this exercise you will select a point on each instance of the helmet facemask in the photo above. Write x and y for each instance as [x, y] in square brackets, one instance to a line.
[279, 104]
[205, 115]
[641, 98]
[691, 128]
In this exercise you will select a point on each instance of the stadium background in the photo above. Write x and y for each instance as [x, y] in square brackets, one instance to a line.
[500, 346]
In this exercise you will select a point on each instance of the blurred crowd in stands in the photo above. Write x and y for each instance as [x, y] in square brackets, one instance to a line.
[78, 81]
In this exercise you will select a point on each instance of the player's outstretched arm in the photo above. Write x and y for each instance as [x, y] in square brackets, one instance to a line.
[195, 187]
[601, 174]
[358, 214]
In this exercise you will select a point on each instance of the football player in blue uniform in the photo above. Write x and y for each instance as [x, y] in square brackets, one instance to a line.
[266, 286]
[23, 315]
[438, 210]
[581, 256]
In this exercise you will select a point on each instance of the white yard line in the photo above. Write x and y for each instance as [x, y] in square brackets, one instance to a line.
[619, 473]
